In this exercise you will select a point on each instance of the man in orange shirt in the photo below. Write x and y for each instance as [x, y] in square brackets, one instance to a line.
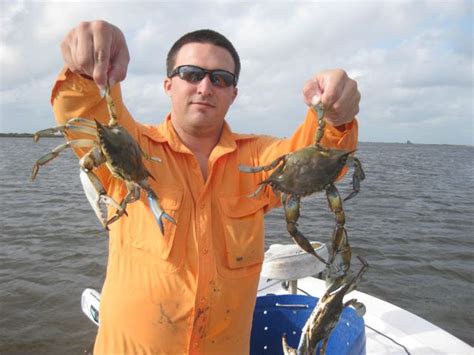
[193, 288]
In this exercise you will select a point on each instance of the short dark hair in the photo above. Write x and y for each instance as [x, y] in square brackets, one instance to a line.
[202, 36]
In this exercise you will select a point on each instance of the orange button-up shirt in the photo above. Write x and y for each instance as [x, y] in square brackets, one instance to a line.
[193, 289]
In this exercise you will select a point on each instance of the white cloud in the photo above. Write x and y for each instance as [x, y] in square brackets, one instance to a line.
[412, 60]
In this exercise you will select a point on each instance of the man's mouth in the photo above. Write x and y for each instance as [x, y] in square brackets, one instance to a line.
[202, 103]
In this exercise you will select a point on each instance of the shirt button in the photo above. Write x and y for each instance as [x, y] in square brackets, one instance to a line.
[202, 299]
[195, 345]
[205, 251]
[202, 205]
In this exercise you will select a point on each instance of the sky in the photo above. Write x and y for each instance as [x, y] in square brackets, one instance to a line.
[412, 60]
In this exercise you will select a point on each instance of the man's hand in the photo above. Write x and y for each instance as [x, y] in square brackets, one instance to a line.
[97, 50]
[337, 92]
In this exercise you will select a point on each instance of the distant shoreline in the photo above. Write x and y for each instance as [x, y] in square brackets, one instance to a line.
[28, 135]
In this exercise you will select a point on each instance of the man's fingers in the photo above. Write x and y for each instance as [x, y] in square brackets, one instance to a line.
[102, 42]
[333, 86]
[119, 65]
[82, 50]
[328, 85]
[337, 92]
[67, 56]
[310, 90]
[98, 50]
[101, 66]
[347, 104]
[68, 50]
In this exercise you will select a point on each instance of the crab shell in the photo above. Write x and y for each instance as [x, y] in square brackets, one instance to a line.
[308, 170]
[122, 153]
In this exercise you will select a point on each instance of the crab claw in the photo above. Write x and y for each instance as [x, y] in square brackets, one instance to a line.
[158, 211]
[358, 306]
[357, 177]
[287, 349]
[97, 196]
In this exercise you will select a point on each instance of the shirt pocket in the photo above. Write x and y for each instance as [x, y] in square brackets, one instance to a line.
[243, 229]
[165, 251]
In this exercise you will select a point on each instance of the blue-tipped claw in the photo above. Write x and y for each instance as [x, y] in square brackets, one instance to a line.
[158, 211]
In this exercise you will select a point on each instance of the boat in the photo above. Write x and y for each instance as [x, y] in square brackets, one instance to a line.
[288, 292]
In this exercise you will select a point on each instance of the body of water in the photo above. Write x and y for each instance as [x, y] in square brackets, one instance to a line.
[412, 221]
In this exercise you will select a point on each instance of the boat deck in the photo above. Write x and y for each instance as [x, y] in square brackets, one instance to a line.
[389, 329]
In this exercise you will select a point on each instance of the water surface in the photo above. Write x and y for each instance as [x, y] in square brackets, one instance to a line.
[412, 221]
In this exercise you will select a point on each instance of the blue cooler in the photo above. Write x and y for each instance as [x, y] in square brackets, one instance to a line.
[278, 314]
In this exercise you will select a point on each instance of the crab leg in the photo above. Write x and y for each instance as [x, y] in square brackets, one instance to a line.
[92, 159]
[257, 169]
[320, 110]
[341, 246]
[96, 195]
[263, 183]
[132, 195]
[324, 346]
[357, 177]
[287, 349]
[84, 121]
[291, 205]
[93, 188]
[78, 143]
[63, 129]
[340, 241]
[111, 107]
[147, 157]
[358, 306]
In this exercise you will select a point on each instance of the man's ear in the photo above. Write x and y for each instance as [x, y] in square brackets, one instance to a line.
[167, 86]
[236, 91]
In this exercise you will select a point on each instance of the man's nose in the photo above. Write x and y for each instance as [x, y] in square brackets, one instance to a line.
[205, 85]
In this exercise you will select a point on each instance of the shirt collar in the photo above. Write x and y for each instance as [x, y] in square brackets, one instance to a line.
[165, 133]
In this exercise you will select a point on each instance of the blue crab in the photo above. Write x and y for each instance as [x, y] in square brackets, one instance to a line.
[112, 145]
[306, 171]
[327, 313]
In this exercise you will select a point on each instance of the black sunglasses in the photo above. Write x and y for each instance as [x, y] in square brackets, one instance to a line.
[194, 74]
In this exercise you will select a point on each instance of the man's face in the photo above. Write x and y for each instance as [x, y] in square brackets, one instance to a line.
[199, 108]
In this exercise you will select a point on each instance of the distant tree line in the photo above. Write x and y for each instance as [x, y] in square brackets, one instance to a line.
[28, 135]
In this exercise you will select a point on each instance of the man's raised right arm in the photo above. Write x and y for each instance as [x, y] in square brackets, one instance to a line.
[95, 55]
